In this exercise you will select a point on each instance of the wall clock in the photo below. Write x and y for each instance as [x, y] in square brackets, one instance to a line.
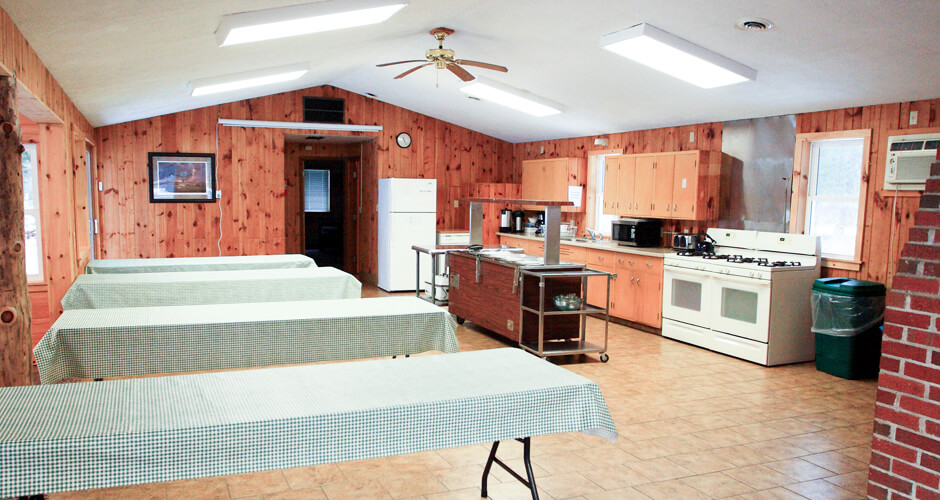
[403, 140]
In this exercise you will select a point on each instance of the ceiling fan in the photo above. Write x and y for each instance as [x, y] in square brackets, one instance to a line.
[443, 58]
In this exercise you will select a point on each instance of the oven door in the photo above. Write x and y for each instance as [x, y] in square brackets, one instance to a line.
[685, 296]
[742, 307]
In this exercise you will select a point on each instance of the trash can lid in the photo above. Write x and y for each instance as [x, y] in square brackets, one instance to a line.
[849, 287]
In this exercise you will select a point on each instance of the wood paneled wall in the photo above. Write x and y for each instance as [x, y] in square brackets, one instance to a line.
[59, 128]
[887, 217]
[707, 136]
[255, 184]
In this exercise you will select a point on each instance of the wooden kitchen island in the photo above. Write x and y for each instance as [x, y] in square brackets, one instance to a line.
[484, 290]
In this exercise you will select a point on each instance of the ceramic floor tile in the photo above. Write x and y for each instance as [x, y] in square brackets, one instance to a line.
[462, 494]
[671, 490]
[256, 483]
[760, 477]
[459, 478]
[821, 488]
[621, 494]
[567, 485]
[836, 462]
[702, 462]
[717, 485]
[799, 469]
[856, 482]
[309, 477]
[771, 494]
[659, 469]
[197, 489]
[356, 490]
[613, 478]
[412, 484]
[303, 494]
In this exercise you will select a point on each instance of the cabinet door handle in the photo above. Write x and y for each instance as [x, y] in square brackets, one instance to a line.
[638, 281]
[620, 261]
[631, 279]
[675, 207]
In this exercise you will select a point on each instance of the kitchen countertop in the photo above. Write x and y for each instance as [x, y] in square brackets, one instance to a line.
[606, 245]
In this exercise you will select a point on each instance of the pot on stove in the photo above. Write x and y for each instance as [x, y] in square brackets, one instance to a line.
[705, 247]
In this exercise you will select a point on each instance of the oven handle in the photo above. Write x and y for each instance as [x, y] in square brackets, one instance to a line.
[689, 272]
[743, 281]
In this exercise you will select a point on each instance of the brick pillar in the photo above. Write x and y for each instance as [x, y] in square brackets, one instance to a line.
[905, 448]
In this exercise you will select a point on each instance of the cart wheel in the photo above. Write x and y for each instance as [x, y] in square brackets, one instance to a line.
[605, 358]
[460, 320]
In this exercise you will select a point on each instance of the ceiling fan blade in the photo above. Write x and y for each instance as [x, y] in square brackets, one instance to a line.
[460, 72]
[483, 65]
[412, 70]
[399, 62]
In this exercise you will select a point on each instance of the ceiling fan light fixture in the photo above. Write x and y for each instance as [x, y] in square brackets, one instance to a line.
[677, 57]
[511, 97]
[282, 22]
[238, 81]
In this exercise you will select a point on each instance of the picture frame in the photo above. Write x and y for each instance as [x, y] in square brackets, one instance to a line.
[181, 177]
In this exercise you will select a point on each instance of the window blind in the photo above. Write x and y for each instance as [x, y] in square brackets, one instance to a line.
[316, 190]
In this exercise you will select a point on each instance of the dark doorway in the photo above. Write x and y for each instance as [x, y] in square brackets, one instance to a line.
[323, 202]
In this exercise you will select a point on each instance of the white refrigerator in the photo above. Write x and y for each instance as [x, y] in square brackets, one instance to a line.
[407, 216]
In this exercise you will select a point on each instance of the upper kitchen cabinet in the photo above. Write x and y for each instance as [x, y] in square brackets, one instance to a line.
[549, 180]
[680, 185]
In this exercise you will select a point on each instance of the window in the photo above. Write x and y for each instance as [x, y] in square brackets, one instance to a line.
[31, 214]
[324, 110]
[829, 202]
[316, 190]
[602, 222]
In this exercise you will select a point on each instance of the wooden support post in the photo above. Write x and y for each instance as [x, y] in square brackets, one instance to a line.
[15, 308]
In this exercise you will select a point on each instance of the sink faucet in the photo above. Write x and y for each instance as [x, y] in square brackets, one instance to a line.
[595, 235]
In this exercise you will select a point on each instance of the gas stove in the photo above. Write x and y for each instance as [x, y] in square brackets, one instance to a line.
[748, 298]
[750, 254]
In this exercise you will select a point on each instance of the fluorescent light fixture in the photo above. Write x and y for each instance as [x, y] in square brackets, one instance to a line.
[268, 24]
[511, 97]
[675, 56]
[340, 127]
[238, 81]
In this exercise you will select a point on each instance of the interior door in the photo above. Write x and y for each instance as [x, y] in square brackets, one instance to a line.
[643, 187]
[685, 186]
[663, 176]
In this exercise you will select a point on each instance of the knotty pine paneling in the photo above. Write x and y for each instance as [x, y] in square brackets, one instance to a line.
[707, 137]
[887, 217]
[259, 201]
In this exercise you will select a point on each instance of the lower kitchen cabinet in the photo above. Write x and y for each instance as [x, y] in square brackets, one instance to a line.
[636, 294]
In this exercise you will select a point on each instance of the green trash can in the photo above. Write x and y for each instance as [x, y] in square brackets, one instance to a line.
[847, 319]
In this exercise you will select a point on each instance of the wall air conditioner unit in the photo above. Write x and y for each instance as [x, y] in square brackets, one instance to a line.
[909, 160]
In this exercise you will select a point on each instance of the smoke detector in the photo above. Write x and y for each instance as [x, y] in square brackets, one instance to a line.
[753, 24]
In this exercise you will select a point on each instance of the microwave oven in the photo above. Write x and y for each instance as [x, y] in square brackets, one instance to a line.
[637, 232]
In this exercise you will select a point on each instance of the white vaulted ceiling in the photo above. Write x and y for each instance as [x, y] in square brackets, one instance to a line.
[122, 60]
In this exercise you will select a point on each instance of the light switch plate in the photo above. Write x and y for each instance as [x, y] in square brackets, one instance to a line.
[913, 120]
[509, 324]
[456, 203]
[691, 136]
[218, 193]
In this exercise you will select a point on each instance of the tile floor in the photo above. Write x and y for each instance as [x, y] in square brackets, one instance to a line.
[693, 424]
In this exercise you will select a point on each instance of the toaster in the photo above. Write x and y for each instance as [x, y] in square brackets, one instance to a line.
[684, 241]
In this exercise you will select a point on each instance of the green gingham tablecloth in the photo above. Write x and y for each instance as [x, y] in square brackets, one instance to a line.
[120, 432]
[104, 343]
[101, 291]
[178, 264]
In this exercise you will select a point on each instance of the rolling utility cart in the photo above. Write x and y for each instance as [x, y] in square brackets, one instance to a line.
[543, 311]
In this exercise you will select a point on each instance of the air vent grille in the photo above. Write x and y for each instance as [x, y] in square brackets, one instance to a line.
[324, 110]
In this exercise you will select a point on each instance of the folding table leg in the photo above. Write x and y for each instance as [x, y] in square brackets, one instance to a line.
[526, 445]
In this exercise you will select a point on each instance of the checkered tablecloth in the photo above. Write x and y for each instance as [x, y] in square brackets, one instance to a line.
[178, 264]
[104, 343]
[100, 291]
[120, 432]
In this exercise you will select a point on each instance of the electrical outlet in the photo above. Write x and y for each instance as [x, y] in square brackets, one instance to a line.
[509, 324]
[541, 150]
[456, 203]
[913, 120]
[691, 136]
[218, 193]
[100, 186]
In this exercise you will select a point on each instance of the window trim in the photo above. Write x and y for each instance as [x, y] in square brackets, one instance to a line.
[590, 203]
[35, 279]
[800, 189]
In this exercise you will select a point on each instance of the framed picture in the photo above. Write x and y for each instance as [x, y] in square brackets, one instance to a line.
[181, 177]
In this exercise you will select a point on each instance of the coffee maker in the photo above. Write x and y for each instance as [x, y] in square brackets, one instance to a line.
[505, 221]
[518, 221]
[540, 223]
